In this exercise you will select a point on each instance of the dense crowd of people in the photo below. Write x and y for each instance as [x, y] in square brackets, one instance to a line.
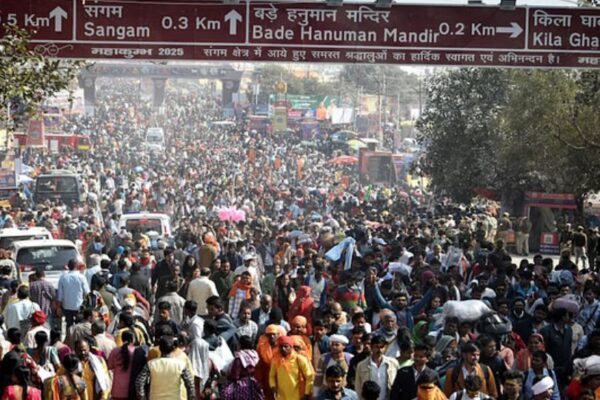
[326, 288]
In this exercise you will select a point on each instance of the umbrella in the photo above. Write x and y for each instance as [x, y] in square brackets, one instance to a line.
[344, 160]
[356, 144]
[138, 169]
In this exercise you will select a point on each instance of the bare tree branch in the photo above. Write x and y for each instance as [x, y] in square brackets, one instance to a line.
[565, 142]
[570, 145]
[583, 136]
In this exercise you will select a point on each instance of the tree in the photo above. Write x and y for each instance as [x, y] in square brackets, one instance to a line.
[512, 131]
[26, 77]
[461, 129]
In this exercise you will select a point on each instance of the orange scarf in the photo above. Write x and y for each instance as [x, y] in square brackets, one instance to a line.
[265, 351]
[241, 286]
[432, 394]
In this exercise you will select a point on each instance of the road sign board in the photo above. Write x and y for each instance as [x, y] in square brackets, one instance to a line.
[310, 32]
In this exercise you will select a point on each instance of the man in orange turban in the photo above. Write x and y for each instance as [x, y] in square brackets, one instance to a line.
[291, 376]
[267, 349]
[299, 327]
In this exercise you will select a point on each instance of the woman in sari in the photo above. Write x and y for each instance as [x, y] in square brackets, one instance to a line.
[68, 385]
[523, 358]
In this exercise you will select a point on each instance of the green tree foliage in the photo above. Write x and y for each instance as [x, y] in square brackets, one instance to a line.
[461, 129]
[27, 77]
[512, 131]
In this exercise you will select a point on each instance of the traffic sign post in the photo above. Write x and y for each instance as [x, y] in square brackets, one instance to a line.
[311, 32]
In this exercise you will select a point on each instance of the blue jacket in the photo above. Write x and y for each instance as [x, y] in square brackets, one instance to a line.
[411, 311]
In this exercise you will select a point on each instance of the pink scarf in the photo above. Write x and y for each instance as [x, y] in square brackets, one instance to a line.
[248, 358]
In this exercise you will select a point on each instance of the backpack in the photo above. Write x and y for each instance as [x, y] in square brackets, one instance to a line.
[495, 324]
[457, 369]
[25, 323]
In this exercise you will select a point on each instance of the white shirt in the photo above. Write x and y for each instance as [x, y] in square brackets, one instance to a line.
[118, 206]
[317, 289]
[29, 340]
[406, 256]
[21, 310]
[196, 327]
[379, 375]
[199, 290]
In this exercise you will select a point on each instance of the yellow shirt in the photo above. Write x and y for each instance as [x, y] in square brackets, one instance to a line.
[89, 378]
[286, 381]
[138, 333]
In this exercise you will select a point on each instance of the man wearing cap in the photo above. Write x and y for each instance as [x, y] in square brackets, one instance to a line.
[290, 373]
[250, 266]
[586, 377]
[543, 389]
[337, 356]
[38, 319]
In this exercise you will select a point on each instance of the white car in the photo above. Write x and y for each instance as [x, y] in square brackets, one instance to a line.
[10, 235]
[146, 223]
[155, 139]
[53, 255]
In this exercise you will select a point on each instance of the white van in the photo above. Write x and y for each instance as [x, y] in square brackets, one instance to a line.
[53, 255]
[10, 235]
[155, 139]
[146, 223]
